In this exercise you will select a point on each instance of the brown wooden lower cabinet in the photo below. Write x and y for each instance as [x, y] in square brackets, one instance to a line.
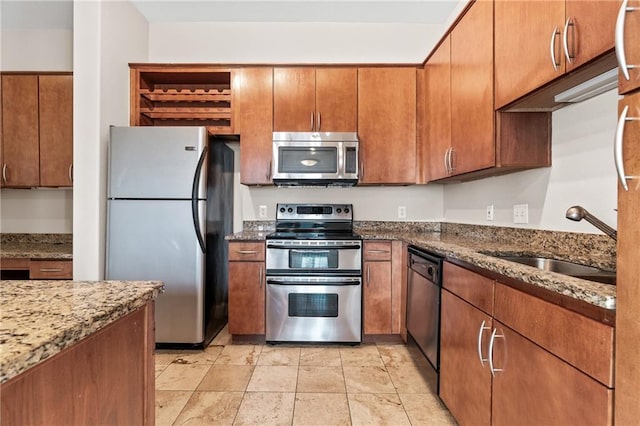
[377, 287]
[246, 288]
[556, 369]
[106, 378]
[534, 387]
[465, 381]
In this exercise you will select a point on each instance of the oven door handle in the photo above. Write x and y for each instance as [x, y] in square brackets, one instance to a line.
[288, 281]
[304, 248]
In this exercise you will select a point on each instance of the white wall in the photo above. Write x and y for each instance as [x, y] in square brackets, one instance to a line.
[27, 210]
[288, 42]
[107, 36]
[582, 173]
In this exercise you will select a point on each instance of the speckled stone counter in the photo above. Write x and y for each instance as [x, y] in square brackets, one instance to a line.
[39, 319]
[36, 246]
[476, 245]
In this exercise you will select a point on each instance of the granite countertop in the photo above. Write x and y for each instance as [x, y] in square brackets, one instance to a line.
[477, 245]
[36, 246]
[39, 319]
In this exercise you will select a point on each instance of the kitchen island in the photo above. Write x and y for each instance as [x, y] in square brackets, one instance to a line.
[75, 352]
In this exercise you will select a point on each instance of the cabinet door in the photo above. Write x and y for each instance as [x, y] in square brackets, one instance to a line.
[387, 125]
[246, 297]
[21, 153]
[627, 379]
[255, 104]
[377, 298]
[523, 32]
[437, 125]
[536, 388]
[336, 99]
[56, 129]
[465, 380]
[631, 51]
[590, 29]
[472, 137]
[294, 99]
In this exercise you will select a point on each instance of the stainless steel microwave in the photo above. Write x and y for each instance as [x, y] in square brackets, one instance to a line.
[315, 159]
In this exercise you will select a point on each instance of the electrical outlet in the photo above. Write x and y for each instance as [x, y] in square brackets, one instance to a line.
[402, 212]
[521, 213]
[262, 212]
[490, 212]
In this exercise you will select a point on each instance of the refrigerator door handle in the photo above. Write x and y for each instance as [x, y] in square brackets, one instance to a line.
[194, 200]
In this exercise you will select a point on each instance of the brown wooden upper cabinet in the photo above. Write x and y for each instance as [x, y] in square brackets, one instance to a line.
[387, 125]
[37, 130]
[539, 41]
[308, 99]
[464, 137]
[627, 46]
[253, 91]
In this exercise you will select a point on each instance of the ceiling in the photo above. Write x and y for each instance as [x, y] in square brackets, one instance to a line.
[58, 14]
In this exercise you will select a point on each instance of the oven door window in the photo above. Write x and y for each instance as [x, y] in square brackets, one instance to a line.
[313, 305]
[313, 259]
[308, 160]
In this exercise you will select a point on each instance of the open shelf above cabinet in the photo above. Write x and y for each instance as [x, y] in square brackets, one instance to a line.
[182, 96]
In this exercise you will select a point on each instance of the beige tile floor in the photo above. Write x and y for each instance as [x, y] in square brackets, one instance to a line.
[245, 384]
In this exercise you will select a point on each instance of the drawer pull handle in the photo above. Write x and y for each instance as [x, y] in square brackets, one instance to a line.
[619, 39]
[246, 252]
[50, 269]
[482, 328]
[491, 342]
[377, 251]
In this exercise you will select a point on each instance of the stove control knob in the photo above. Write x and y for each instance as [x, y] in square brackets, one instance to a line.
[290, 210]
[346, 210]
[282, 209]
[338, 210]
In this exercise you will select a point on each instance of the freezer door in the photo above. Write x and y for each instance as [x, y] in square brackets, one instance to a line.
[155, 162]
[155, 240]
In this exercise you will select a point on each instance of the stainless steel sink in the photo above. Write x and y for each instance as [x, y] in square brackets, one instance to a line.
[567, 268]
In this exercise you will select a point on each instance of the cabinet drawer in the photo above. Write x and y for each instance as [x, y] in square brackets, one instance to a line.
[582, 342]
[51, 269]
[14, 264]
[247, 251]
[472, 287]
[377, 250]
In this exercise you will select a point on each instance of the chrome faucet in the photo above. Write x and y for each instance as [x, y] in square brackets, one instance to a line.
[578, 213]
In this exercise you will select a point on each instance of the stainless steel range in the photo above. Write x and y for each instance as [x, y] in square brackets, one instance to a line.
[314, 275]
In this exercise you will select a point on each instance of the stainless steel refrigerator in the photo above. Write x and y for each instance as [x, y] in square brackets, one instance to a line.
[169, 206]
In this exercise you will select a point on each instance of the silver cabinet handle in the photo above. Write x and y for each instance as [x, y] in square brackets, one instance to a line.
[71, 173]
[377, 251]
[246, 252]
[260, 277]
[565, 40]
[312, 117]
[446, 162]
[451, 167]
[50, 269]
[621, 55]
[4, 173]
[269, 171]
[318, 127]
[482, 328]
[491, 342]
[368, 275]
[552, 48]
[618, 142]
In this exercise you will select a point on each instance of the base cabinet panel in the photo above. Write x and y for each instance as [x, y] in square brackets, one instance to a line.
[246, 298]
[534, 387]
[465, 380]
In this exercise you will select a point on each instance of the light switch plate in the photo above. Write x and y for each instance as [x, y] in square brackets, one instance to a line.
[521, 213]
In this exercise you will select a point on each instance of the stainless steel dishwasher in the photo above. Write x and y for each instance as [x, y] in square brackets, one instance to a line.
[423, 306]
